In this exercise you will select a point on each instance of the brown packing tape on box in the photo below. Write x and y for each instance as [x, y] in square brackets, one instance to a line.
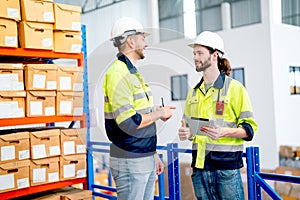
[40, 103]
[10, 10]
[8, 33]
[34, 35]
[37, 11]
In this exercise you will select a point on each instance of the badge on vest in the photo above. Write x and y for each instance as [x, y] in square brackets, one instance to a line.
[219, 107]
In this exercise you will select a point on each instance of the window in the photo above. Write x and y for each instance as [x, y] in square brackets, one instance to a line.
[290, 12]
[179, 87]
[244, 12]
[238, 74]
[209, 13]
[171, 19]
[295, 80]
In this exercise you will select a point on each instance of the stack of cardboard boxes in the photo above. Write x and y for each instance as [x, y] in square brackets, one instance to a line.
[289, 165]
[51, 90]
[37, 156]
[9, 16]
[40, 24]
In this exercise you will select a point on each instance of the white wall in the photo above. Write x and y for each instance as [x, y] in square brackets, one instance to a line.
[265, 50]
[99, 22]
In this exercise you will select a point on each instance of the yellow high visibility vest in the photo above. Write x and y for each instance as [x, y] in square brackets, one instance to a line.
[125, 93]
[200, 109]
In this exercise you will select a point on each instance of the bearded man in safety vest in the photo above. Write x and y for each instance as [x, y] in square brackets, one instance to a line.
[130, 116]
[218, 118]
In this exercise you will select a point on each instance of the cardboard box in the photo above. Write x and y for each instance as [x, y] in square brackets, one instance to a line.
[69, 103]
[35, 35]
[287, 151]
[70, 78]
[48, 196]
[72, 166]
[67, 17]
[76, 194]
[37, 11]
[287, 171]
[11, 77]
[10, 9]
[67, 41]
[8, 33]
[295, 191]
[14, 175]
[44, 171]
[45, 143]
[40, 76]
[12, 104]
[40, 103]
[14, 147]
[73, 141]
[289, 198]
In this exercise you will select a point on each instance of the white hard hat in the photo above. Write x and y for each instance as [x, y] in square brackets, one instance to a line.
[209, 39]
[126, 26]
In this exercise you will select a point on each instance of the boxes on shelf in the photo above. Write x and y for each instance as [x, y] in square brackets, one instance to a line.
[37, 11]
[45, 143]
[8, 33]
[69, 103]
[14, 147]
[11, 77]
[40, 103]
[44, 171]
[40, 76]
[10, 10]
[286, 189]
[72, 166]
[46, 196]
[72, 193]
[287, 151]
[70, 78]
[12, 104]
[34, 35]
[14, 175]
[76, 193]
[67, 41]
[73, 141]
[67, 17]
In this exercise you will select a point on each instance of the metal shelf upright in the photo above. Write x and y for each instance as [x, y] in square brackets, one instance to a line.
[43, 56]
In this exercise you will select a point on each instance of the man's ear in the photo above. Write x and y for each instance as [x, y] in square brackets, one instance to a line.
[130, 41]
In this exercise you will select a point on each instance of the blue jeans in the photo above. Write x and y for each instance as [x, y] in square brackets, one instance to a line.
[218, 184]
[134, 177]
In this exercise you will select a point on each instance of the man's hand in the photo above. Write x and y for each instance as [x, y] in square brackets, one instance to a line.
[212, 132]
[159, 165]
[166, 112]
[184, 131]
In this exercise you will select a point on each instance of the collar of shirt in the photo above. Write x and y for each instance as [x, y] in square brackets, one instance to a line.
[125, 60]
[217, 84]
